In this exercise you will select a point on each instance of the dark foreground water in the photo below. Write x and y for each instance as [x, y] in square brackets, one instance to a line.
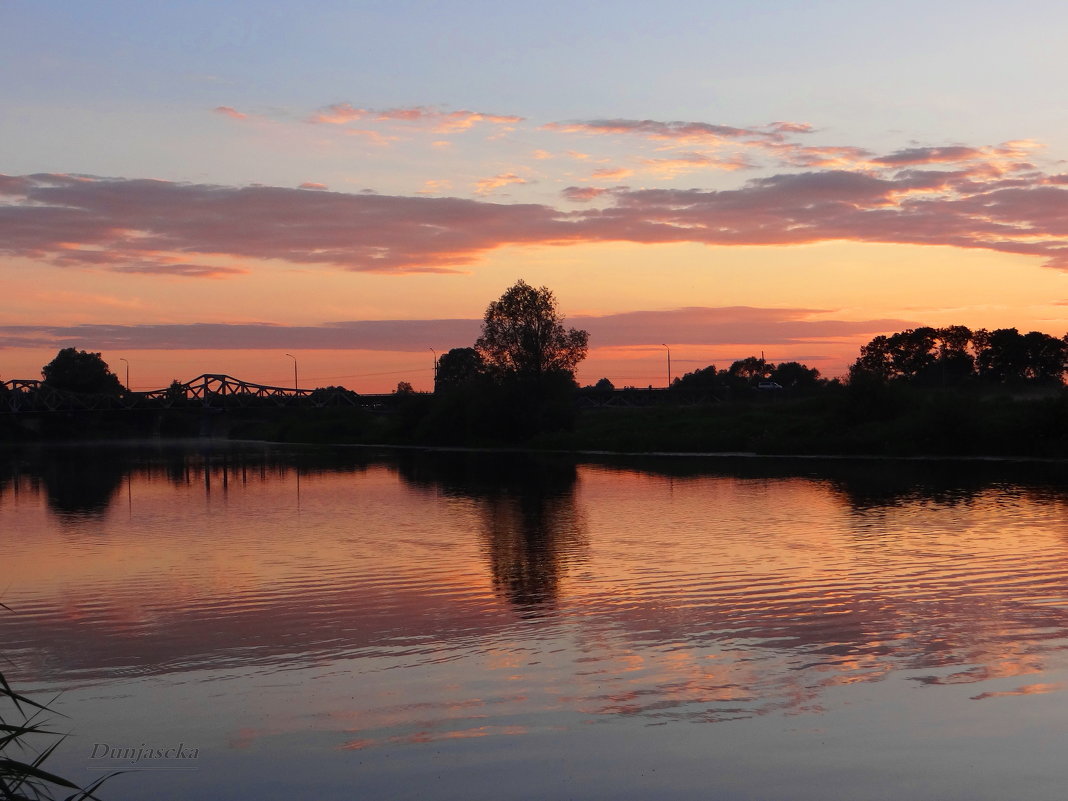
[249, 622]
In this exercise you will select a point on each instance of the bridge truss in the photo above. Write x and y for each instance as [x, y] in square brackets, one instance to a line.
[209, 390]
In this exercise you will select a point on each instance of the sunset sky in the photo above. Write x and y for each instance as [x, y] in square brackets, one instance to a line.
[206, 187]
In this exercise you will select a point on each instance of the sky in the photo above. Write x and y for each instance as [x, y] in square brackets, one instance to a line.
[236, 187]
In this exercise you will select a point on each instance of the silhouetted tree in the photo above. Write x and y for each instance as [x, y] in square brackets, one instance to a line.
[954, 354]
[176, 391]
[794, 375]
[404, 388]
[1007, 356]
[750, 369]
[80, 371]
[458, 367]
[604, 385]
[705, 378]
[333, 396]
[523, 335]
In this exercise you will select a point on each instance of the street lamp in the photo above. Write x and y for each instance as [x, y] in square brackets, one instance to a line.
[669, 365]
[296, 385]
[435, 367]
[127, 373]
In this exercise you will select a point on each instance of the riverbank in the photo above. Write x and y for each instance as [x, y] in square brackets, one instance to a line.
[891, 421]
[899, 423]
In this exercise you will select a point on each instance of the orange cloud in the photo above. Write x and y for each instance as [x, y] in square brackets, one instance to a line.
[313, 185]
[439, 121]
[433, 187]
[487, 185]
[691, 162]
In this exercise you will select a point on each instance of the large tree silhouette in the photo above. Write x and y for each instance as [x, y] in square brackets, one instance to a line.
[523, 334]
[76, 370]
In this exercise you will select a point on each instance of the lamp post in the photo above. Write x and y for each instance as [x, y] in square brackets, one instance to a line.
[127, 373]
[669, 365]
[296, 385]
[435, 367]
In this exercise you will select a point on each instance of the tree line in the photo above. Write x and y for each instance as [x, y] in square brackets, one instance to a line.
[519, 375]
[957, 355]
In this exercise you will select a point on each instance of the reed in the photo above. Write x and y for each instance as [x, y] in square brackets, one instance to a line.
[26, 743]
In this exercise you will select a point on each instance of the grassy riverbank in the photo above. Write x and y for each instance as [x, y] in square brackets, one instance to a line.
[934, 425]
[881, 420]
[892, 421]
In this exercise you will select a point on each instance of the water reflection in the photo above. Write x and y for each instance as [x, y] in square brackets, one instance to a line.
[662, 590]
[532, 528]
[872, 483]
[83, 480]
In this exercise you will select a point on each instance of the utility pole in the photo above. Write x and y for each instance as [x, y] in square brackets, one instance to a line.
[127, 373]
[669, 365]
[296, 385]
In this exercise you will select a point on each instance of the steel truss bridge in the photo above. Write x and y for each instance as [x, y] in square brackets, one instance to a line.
[214, 391]
[207, 391]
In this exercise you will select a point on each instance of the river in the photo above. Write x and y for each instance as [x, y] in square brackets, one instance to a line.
[245, 621]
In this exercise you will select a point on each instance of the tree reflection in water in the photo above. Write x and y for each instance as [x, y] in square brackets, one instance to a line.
[533, 528]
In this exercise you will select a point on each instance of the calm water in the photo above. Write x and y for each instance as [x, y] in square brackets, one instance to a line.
[342, 624]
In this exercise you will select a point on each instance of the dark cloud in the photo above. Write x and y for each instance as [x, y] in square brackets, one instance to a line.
[727, 325]
[929, 155]
[147, 226]
[101, 221]
[656, 129]
[583, 194]
[695, 325]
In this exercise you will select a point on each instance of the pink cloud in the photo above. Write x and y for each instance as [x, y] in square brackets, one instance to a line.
[338, 114]
[791, 127]
[313, 185]
[183, 270]
[654, 129]
[727, 325]
[774, 141]
[929, 155]
[230, 112]
[132, 224]
[583, 194]
[770, 139]
[111, 222]
[732, 325]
